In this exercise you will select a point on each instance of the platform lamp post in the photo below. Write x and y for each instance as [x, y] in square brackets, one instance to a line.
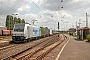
[79, 23]
[66, 25]
[54, 26]
[87, 19]
[14, 17]
[52, 20]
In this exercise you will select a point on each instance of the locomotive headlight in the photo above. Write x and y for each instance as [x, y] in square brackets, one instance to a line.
[22, 37]
[13, 37]
[13, 34]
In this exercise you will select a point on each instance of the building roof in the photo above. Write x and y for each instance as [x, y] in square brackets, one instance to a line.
[84, 28]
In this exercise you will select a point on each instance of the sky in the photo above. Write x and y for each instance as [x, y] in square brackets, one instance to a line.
[47, 12]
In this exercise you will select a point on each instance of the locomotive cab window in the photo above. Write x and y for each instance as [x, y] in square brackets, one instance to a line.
[19, 28]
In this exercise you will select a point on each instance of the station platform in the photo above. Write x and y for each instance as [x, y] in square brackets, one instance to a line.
[72, 50]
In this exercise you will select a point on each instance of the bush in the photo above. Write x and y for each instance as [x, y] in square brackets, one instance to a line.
[88, 38]
[74, 34]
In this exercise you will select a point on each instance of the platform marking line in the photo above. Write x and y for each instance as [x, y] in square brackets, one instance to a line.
[57, 58]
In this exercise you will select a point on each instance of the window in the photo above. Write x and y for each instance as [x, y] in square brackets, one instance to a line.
[19, 27]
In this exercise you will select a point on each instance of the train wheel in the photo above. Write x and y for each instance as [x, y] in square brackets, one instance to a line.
[25, 41]
[28, 39]
[36, 38]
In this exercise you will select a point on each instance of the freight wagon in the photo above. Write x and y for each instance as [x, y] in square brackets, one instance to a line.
[43, 31]
[47, 31]
[51, 32]
[2, 28]
[72, 31]
[6, 32]
[39, 32]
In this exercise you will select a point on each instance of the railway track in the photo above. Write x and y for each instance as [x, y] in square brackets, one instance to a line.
[7, 53]
[42, 53]
[6, 47]
[34, 50]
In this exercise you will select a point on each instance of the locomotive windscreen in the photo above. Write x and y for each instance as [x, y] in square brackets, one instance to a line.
[19, 27]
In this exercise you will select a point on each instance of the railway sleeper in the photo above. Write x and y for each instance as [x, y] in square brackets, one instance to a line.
[29, 54]
[27, 46]
[39, 55]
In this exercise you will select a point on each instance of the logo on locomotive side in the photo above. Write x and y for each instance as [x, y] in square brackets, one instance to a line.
[34, 31]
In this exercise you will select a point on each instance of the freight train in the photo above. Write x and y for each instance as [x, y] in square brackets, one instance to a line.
[25, 32]
[72, 31]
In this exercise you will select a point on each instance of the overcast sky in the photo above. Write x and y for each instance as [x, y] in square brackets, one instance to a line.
[47, 12]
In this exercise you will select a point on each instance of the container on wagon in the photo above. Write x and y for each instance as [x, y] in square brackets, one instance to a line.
[51, 32]
[43, 31]
[6, 32]
[47, 31]
[39, 32]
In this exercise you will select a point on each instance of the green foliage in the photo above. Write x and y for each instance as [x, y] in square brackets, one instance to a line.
[74, 34]
[10, 21]
[18, 20]
[15, 20]
[22, 21]
[88, 38]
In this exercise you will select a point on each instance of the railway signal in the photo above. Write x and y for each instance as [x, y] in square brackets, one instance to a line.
[58, 25]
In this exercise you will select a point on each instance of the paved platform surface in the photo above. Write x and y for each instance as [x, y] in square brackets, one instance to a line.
[53, 54]
[74, 50]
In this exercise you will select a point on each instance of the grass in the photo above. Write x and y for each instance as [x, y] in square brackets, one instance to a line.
[0, 38]
[5, 38]
[87, 40]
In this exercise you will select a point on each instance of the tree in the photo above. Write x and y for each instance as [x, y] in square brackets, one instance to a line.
[7, 20]
[22, 21]
[18, 20]
[15, 20]
[10, 21]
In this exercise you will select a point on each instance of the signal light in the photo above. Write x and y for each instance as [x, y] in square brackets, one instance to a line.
[58, 25]
[61, 0]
